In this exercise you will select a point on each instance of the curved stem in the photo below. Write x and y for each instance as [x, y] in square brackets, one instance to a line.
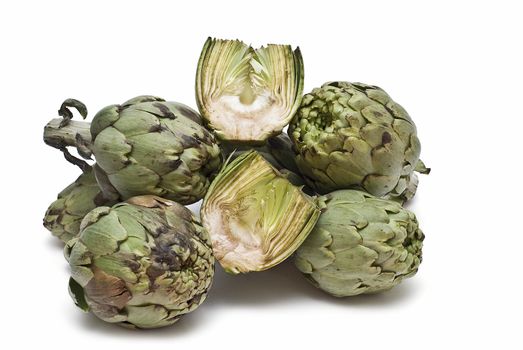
[58, 136]
[66, 113]
[63, 133]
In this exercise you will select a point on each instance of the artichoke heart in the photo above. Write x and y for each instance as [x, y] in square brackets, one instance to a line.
[255, 216]
[248, 94]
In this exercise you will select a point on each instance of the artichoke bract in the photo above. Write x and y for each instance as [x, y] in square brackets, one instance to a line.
[361, 244]
[247, 94]
[149, 146]
[64, 215]
[143, 263]
[352, 135]
[281, 148]
[255, 216]
[277, 151]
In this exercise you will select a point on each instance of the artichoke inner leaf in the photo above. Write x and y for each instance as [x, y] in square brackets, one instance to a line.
[257, 216]
[247, 92]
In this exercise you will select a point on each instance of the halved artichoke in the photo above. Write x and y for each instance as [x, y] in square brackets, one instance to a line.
[256, 218]
[248, 94]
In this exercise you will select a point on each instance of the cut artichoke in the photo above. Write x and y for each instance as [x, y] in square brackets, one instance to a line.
[256, 218]
[248, 94]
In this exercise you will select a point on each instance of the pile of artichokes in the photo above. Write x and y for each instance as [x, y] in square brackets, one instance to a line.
[327, 194]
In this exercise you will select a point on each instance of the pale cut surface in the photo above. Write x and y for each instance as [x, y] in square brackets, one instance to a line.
[248, 94]
[236, 246]
[242, 121]
[256, 218]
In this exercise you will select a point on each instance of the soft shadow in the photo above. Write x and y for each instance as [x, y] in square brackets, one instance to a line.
[281, 284]
[183, 327]
[54, 243]
[285, 284]
[410, 203]
[402, 293]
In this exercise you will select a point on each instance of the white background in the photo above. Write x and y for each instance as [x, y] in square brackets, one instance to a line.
[455, 66]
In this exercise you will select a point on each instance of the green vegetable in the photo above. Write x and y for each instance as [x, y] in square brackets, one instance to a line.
[361, 244]
[281, 148]
[352, 135]
[143, 146]
[256, 218]
[149, 146]
[143, 263]
[64, 215]
[277, 151]
[248, 94]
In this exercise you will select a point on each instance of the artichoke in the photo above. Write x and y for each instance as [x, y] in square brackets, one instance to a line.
[143, 146]
[247, 94]
[142, 264]
[352, 135]
[277, 151]
[361, 244]
[64, 215]
[281, 148]
[149, 146]
[255, 216]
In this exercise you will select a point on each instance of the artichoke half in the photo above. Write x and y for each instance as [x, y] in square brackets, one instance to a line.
[149, 146]
[255, 216]
[361, 244]
[277, 151]
[141, 264]
[352, 135]
[247, 94]
[64, 215]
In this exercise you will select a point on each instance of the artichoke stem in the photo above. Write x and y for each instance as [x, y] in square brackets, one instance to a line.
[72, 134]
[66, 136]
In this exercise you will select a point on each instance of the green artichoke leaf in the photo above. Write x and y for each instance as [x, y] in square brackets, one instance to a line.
[148, 146]
[248, 94]
[77, 293]
[360, 244]
[255, 216]
[354, 136]
[142, 263]
[64, 215]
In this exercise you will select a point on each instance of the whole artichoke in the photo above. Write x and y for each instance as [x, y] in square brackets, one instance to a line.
[352, 135]
[64, 215]
[255, 216]
[361, 244]
[143, 263]
[246, 94]
[149, 146]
